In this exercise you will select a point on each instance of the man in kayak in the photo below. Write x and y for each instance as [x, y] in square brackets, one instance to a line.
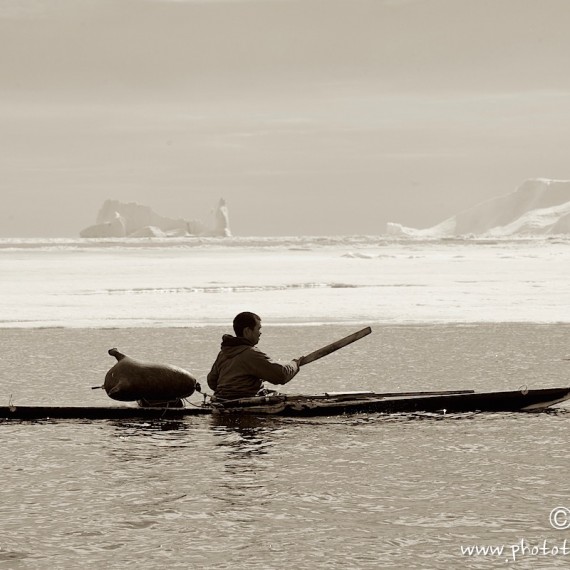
[241, 368]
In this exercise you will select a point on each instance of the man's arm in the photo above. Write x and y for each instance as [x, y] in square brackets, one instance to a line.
[270, 370]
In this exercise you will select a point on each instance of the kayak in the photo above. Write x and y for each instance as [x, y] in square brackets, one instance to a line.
[147, 383]
[327, 404]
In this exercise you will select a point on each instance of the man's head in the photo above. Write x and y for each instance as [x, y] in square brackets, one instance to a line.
[248, 325]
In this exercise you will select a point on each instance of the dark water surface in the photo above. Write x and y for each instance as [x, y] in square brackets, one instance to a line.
[363, 491]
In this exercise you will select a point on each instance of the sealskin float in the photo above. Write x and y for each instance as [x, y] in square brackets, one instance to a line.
[150, 384]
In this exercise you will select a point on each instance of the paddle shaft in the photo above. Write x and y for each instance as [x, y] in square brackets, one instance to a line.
[334, 346]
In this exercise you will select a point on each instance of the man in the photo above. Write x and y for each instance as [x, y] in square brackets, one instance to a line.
[240, 368]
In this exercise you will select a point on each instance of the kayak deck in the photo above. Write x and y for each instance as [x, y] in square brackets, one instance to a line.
[328, 404]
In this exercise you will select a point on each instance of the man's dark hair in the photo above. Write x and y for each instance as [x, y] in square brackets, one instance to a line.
[243, 321]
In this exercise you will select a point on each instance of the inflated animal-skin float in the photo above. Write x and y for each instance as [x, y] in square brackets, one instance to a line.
[130, 380]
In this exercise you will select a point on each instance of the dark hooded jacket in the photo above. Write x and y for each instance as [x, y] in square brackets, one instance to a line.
[241, 368]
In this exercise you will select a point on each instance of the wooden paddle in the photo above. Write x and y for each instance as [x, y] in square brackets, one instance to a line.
[329, 348]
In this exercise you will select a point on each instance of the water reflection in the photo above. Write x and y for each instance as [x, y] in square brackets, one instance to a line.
[244, 423]
[243, 438]
[148, 428]
[246, 445]
[152, 442]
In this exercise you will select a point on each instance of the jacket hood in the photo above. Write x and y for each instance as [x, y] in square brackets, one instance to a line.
[232, 346]
[229, 341]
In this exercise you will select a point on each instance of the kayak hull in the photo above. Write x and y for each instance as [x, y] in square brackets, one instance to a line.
[331, 404]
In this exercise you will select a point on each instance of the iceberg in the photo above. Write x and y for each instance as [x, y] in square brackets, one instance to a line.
[222, 227]
[119, 219]
[114, 227]
[538, 207]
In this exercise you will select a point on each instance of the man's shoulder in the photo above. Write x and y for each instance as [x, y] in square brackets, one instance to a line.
[234, 351]
[253, 351]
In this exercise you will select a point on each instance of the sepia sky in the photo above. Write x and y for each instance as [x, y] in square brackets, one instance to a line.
[308, 116]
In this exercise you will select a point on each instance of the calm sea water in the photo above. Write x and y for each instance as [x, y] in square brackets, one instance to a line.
[363, 491]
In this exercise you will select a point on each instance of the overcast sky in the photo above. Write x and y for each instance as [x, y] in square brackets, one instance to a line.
[309, 116]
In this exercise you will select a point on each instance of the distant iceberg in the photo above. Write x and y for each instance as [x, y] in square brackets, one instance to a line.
[538, 207]
[118, 219]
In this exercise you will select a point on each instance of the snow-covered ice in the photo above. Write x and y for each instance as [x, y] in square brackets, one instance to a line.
[153, 282]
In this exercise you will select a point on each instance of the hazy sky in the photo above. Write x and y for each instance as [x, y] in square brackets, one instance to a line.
[309, 116]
